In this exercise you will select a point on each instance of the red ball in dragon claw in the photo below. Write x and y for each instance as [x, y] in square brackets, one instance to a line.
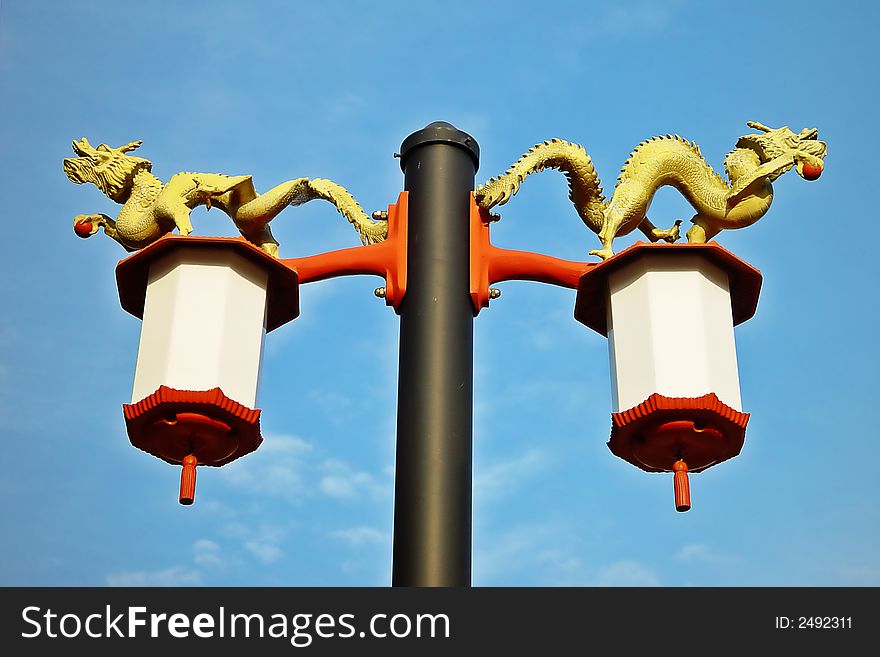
[83, 228]
[811, 172]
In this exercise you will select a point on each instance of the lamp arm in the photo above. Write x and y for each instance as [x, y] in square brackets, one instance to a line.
[386, 259]
[490, 264]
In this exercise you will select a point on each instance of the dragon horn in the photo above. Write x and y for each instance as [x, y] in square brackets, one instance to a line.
[130, 146]
[809, 133]
[83, 148]
[758, 126]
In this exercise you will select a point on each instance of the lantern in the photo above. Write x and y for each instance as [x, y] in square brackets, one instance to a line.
[668, 311]
[206, 304]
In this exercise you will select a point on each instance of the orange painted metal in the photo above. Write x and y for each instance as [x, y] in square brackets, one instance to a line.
[172, 424]
[681, 486]
[386, 259]
[188, 480]
[678, 434]
[661, 430]
[192, 427]
[591, 306]
[490, 264]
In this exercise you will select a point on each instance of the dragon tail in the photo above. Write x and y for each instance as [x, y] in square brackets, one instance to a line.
[371, 232]
[585, 191]
[262, 208]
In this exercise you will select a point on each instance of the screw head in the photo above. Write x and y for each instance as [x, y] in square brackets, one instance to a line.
[380, 215]
[379, 292]
[494, 293]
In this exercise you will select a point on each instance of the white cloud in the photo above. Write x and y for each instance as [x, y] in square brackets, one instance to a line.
[549, 555]
[216, 507]
[276, 468]
[344, 482]
[358, 536]
[9, 335]
[264, 550]
[263, 544]
[626, 573]
[174, 576]
[502, 478]
[705, 554]
[337, 408]
[570, 567]
[860, 575]
[285, 445]
[510, 552]
[235, 530]
[343, 106]
[643, 17]
[287, 467]
[330, 401]
[345, 487]
[207, 553]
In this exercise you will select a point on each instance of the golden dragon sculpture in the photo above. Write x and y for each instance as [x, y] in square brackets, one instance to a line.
[756, 161]
[151, 209]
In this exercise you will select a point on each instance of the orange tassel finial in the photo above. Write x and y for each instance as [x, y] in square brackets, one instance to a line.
[682, 487]
[188, 480]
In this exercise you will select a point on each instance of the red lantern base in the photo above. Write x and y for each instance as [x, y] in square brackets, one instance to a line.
[192, 426]
[661, 430]
[171, 424]
[678, 434]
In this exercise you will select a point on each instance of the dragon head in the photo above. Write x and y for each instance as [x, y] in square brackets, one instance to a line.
[110, 169]
[808, 153]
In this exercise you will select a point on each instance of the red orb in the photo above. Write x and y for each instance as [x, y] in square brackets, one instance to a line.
[83, 228]
[812, 172]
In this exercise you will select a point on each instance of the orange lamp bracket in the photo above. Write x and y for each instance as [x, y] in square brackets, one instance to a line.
[490, 264]
[386, 259]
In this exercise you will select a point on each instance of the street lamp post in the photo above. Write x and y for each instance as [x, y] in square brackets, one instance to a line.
[433, 480]
[674, 411]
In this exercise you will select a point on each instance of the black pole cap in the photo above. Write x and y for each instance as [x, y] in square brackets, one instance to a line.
[440, 132]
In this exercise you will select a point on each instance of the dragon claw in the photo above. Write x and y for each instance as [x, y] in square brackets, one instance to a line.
[674, 232]
[669, 235]
[602, 253]
[208, 192]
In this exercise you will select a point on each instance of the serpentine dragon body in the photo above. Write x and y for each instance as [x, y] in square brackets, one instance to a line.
[152, 209]
[752, 166]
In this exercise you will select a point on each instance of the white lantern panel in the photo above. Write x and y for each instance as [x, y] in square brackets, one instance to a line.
[670, 331]
[203, 325]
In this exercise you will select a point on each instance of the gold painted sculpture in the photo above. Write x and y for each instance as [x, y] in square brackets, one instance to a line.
[151, 209]
[752, 166]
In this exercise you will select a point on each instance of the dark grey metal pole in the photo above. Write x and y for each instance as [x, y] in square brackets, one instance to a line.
[432, 502]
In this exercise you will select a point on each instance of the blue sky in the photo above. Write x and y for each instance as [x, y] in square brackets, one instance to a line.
[282, 90]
